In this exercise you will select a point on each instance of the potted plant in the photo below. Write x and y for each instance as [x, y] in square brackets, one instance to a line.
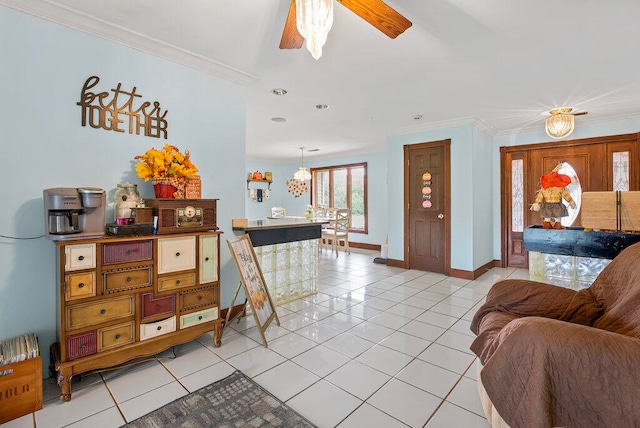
[167, 169]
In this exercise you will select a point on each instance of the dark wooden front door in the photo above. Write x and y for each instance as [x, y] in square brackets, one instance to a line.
[427, 227]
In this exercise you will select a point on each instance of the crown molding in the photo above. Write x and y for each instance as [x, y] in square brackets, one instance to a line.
[450, 123]
[72, 18]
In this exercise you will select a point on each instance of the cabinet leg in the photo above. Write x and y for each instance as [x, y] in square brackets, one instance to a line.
[64, 381]
[217, 335]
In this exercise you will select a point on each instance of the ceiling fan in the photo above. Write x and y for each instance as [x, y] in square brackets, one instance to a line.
[312, 20]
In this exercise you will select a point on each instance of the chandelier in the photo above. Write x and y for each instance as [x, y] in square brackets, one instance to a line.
[314, 19]
[302, 174]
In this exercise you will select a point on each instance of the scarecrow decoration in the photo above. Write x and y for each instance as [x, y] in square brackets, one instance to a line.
[549, 199]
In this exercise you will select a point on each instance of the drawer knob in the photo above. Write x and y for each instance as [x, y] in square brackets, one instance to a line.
[206, 259]
[158, 307]
[200, 318]
[129, 279]
[159, 328]
[81, 285]
[199, 297]
[117, 336]
[177, 282]
[81, 258]
[178, 254]
[103, 311]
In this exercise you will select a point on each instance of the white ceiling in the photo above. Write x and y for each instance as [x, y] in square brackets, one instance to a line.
[496, 63]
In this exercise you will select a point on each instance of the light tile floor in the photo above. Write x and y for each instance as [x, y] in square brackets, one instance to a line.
[376, 346]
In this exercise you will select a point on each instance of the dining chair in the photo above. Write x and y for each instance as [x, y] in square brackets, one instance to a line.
[278, 212]
[340, 231]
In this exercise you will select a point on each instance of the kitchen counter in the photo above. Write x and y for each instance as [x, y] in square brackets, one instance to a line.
[281, 230]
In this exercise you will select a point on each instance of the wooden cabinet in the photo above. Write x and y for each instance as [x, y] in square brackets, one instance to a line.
[122, 298]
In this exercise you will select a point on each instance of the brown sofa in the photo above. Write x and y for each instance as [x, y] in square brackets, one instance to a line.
[553, 356]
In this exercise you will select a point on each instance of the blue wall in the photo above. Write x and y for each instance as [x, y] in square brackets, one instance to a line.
[44, 145]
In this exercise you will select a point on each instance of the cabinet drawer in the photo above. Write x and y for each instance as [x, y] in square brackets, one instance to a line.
[152, 306]
[199, 317]
[81, 345]
[80, 285]
[87, 314]
[197, 299]
[176, 254]
[117, 335]
[208, 259]
[127, 279]
[158, 328]
[175, 282]
[124, 252]
[79, 256]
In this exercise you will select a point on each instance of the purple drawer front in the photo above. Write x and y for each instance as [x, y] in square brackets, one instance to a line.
[81, 345]
[123, 252]
[152, 306]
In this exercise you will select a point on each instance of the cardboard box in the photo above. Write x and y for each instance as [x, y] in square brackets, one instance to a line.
[20, 388]
[239, 222]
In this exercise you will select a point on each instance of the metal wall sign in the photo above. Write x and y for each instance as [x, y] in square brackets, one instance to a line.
[121, 111]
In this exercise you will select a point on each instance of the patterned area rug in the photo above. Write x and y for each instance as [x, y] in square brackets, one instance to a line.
[232, 402]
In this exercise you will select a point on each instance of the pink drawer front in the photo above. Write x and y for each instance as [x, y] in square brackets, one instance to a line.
[81, 345]
[154, 306]
[124, 252]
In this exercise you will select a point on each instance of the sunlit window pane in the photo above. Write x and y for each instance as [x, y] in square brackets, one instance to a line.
[322, 190]
[357, 198]
[575, 191]
[340, 188]
[621, 171]
[517, 196]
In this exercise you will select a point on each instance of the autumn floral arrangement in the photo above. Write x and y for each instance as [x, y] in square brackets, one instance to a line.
[166, 167]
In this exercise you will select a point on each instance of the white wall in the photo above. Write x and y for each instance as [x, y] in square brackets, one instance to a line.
[44, 66]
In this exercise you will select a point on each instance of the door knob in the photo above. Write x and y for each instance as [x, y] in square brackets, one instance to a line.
[440, 216]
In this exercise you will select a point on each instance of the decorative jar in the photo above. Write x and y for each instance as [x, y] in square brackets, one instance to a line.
[125, 198]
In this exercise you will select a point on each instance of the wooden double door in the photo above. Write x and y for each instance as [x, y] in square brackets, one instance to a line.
[592, 160]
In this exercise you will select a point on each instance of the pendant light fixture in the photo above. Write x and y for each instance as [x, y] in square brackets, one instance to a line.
[302, 174]
[314, 19]
[561, 122]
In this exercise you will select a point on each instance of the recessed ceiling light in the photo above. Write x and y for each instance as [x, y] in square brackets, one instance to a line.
[322, 106]
[417, 117]
[278, 119]
[279, 91]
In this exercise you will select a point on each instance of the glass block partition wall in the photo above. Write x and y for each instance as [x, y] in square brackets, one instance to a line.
[289, 269]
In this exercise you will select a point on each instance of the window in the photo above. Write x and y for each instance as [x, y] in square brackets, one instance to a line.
[342, 186]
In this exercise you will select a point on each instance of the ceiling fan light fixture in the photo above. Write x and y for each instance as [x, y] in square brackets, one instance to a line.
[302, 174]
[314, 19]
[560, 123]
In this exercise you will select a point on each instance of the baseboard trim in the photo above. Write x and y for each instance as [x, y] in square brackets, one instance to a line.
[364, 246]
[234, 311]
[465, 274]
[397, 263]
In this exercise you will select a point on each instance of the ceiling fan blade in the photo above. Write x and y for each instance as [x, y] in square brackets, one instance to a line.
[580, 113]
[378, 14]
[291, 39]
